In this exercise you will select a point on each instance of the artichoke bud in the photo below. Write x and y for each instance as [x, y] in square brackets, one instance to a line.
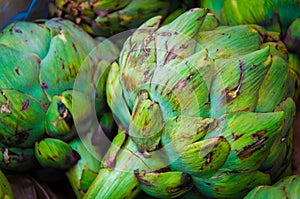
[292, 37]
[147, 123]
[59, 121]
[239, 12]
[55, 153]
[164, 184]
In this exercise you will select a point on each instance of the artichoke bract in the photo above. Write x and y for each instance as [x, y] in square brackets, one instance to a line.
[288, 187]
[105, 17]
[39, 64]
[198, 105]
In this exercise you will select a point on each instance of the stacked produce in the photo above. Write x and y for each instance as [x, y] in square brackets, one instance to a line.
[37, 74]
[105, 17]
[194, 104]
[198, 105]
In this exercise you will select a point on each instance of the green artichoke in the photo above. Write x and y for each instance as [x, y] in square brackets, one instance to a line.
[198, 105]
[106, 17]
[275, 15]
[5, 188]
[40, 63]
[288, 187]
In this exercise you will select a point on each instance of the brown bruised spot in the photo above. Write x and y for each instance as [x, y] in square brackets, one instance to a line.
[208, 157]
[52, 158]
[253, 66]
[111, 163]
[134, 189]
[25, 105]
[164, 87]
[44, 86]
[180, 85]
[231, 94]
[171, 55]
[74, 46]
[18, 30]
[259, 134]
[164, 34]
[5, 108]
[63, 66]
[19, 137]
[144, 182]
[17, 71]
[39, 150]
[235, 137]
[10, 30]
[184, 46]
[252, 148]
[218, 189]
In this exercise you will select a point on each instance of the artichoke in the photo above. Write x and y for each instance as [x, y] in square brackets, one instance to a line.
[288, 187]
[40, 62]
[14, 10]
[105, 17]
[198, 105]
[275, 15]
[5, 188]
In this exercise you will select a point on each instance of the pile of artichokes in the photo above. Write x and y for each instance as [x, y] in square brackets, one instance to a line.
[105, 17]
[197, 103]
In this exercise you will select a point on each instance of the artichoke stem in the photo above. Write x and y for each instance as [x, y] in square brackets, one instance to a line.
[118, 180]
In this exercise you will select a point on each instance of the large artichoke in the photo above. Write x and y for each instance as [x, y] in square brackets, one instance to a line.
[288, 187]
[39, 64]
[106, 17]
[198, 105]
